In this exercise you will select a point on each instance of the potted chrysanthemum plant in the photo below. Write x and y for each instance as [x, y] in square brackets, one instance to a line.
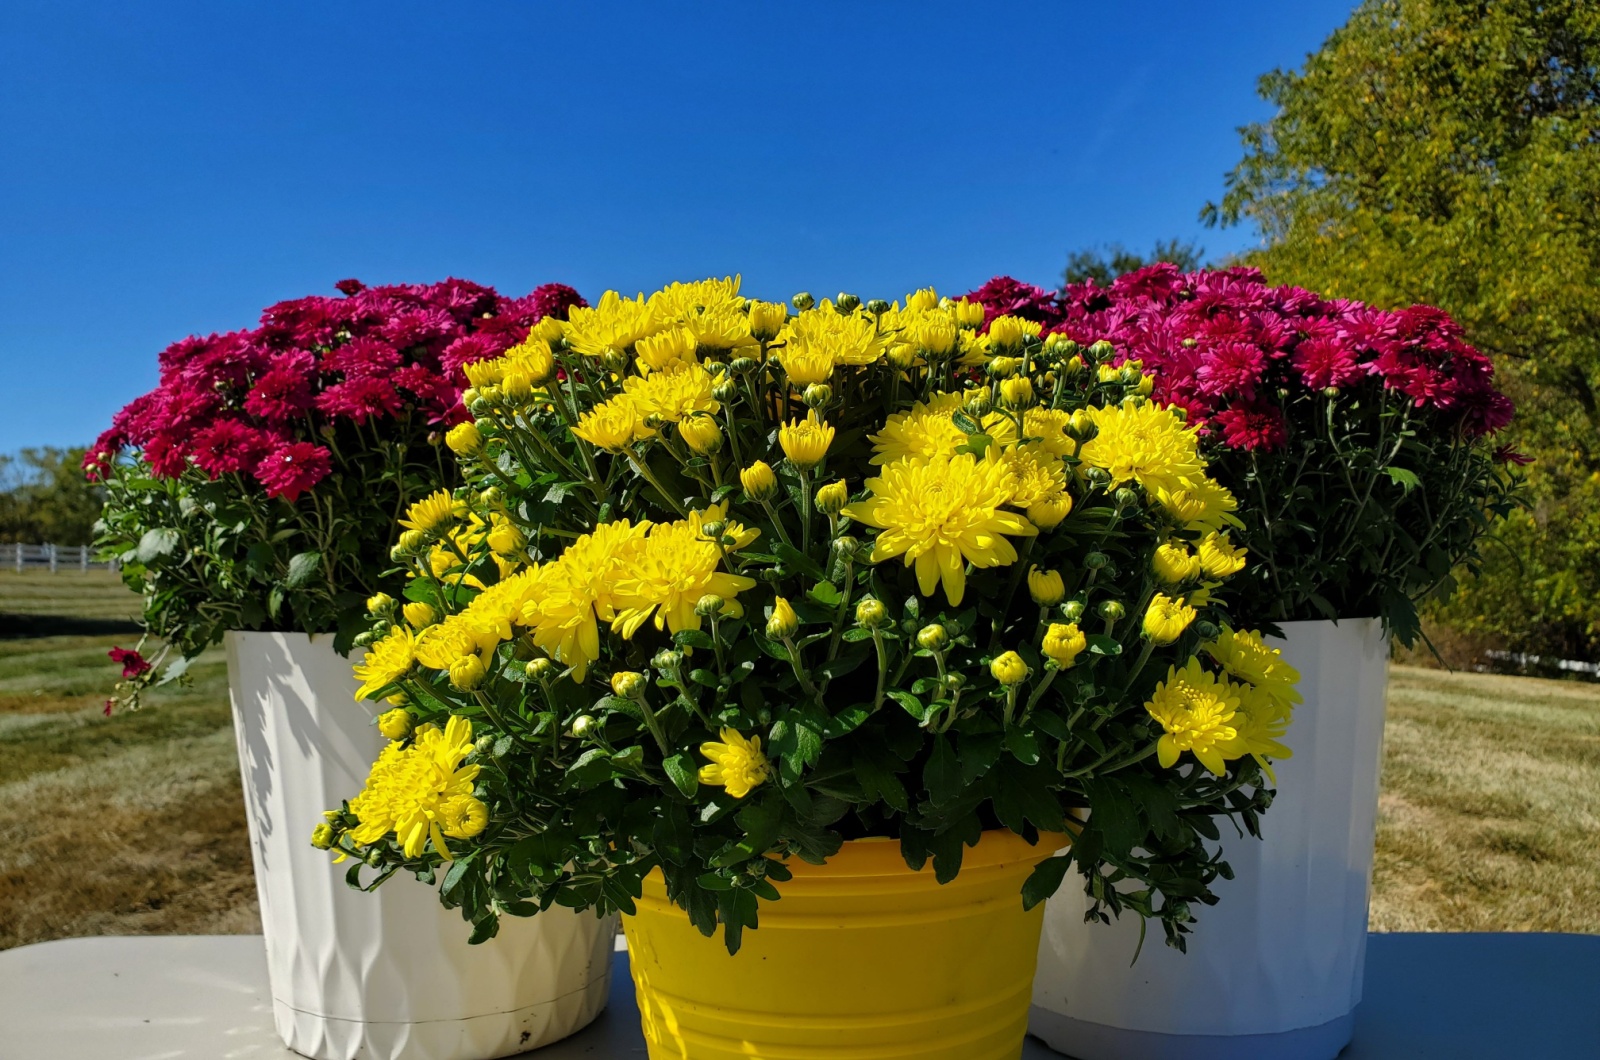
[1363, 437]
[852, 618]
[251, 497]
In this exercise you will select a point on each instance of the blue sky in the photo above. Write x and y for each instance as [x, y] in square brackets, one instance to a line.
[172, 168]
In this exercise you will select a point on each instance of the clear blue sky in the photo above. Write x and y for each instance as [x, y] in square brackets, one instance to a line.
[172, 168]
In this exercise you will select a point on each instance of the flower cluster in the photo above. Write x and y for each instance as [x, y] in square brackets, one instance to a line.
[730, 583]
[238, 489]
[1362, 431]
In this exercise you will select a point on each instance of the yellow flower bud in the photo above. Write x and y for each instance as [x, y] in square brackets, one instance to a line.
[412, 542]
[709, 605]
[380, 604]
[582, 725]
[1063, 642]
[759, 481]
[832, 497]
[627, 683]
[1174, 564]
[933, 636]
[1166, 619]
[871, 614]
[1016, 392]
[784, 622]
[1009, 669]
[419, 614]
[539, 669]
[805, 442]
[767, 319]
[1008, 332]
[467, 673]
[533, 358]
[817, 395]
[517, 386]
[701, 433]
[969, 314]
[1004, 367]
[1046, 587]
[322, 836]
[548, 329]
[394, 723]
[901, 356]
[1047, 512]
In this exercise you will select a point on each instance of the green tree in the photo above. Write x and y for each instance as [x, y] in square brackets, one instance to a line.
[1448, 152]
[45, 498]
[1105, 264]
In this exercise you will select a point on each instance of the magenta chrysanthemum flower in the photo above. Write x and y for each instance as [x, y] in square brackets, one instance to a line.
[133, 664]
[1324, 362]
[227, 446]
[284, 392]
[1246, 427]
[293, 469]
[360, 398]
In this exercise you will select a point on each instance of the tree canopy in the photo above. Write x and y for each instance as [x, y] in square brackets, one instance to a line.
[1448, 152]
[1106, 264]
[44, 498]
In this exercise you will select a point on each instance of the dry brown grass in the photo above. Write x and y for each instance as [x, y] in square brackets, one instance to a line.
[1490, 814]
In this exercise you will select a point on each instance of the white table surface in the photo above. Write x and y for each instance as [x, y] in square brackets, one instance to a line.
[200, 997]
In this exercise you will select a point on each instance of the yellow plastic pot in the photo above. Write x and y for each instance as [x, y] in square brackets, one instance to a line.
[861, 959]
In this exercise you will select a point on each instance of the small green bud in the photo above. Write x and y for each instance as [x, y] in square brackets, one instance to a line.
[365, 639]
[847, 302]
[1096, 560]
[725, 391]
[380, 604]
[871, 614]
[1072, 610]
[629, 684]
[1098, 476]
[933, 636]
[743, 365]
[817, 395]
[712, 530]
[492, 497]
[1112, 609]
[374, 857]
[582, 725]
[667, 659]
[709, 605]
[877, 307]
[539, 669]
[483, 744]
[846, 546]
[1207, 630]
[953, 681]
[1100, 350]
[1126, 498]
[803, 301]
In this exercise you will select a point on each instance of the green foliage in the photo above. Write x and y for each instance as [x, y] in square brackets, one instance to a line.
[1447, 153]
[1105, 265]
[209, 555]
[44, 498]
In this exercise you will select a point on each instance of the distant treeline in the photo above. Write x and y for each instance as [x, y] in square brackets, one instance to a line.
[44, 498]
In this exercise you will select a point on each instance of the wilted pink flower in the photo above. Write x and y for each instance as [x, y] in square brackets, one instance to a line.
[133, 665]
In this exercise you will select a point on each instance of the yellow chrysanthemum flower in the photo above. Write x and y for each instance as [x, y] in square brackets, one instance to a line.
[421, 791]
[430, 513]
[613, 425]
[386, 662]
[1174, 564]
[533, 359]
[805, 442]
[666, 351]
[611, 326]
[804, 365]
[721, 327]
[1050, 426]
[1199, 503]
[672, 395]
[1262, 722]
[1064, 642]
[923, 432]
[848, 338]
[1167, 618]
[1144, 444]
[767, 319]
[677, 300]
[1007, 332]
[1047, 512]
[1197, 712]
[736, 763]
[700, 432]
[1009, 669]
[759, 481]
[1218, 557]
[968, 314]
[941, 515]
[1039, 474]
[667, 575]
[1246, 657]
[1046, 587]
[576, 593]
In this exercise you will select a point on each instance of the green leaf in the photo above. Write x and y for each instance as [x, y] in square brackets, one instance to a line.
[793, 557]
[1023, 745]
[846, 721]
[1101, 644]
[978, 754]
[156, 543]
[302, 568]
[942, 775]
[825, 593]
[913, 705]
[1406, 480]
[681, 770]
[1045, 879]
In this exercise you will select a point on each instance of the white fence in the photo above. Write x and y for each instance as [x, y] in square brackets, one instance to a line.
[53, 558]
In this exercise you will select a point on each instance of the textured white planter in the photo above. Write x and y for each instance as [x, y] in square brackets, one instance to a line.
[386, 975]
[1273, 970]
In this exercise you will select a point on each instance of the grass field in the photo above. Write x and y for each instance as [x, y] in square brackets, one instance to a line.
[1489, 820]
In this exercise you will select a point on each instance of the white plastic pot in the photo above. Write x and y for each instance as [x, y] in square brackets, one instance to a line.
[1274, 969]
[386, 975]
